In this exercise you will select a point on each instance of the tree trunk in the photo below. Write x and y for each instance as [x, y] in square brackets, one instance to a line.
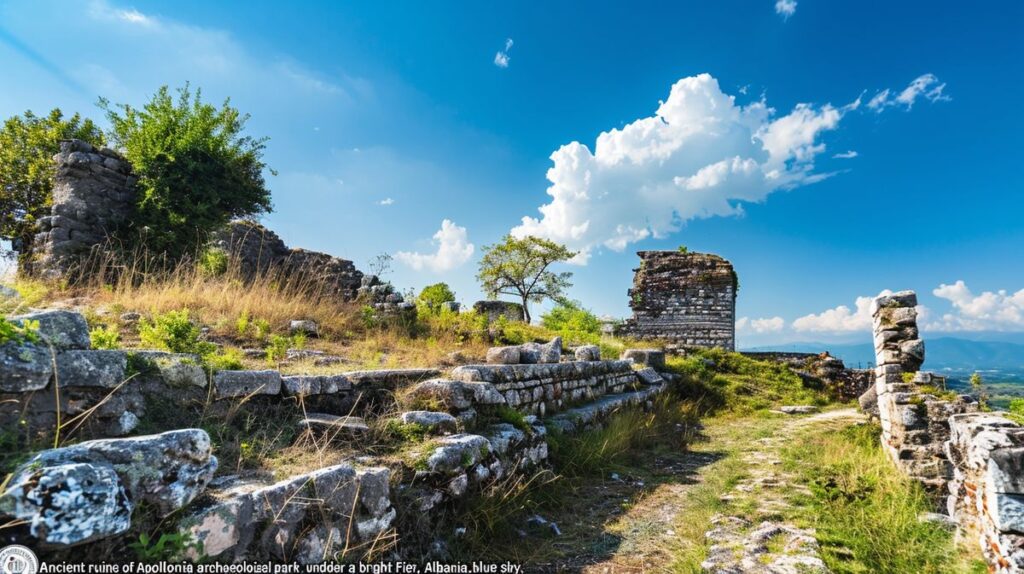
[526, 311]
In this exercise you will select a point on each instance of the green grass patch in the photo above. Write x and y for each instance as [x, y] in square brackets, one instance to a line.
[866, 512]
[725, 382]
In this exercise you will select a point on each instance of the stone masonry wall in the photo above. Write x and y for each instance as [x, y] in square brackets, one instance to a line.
[915, 422]
[972, 460]
[257, 250]
[93, 194]
[686, 298]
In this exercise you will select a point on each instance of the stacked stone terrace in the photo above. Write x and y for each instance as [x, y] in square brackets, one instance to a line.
[91, 496]
[686, 298]
[974, 460]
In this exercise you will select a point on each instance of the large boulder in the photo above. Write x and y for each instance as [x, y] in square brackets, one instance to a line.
[503, 355]
[60, 328]
[496, 309]
[654, 358]
[587, 353]
[86, 492]
[69, 504]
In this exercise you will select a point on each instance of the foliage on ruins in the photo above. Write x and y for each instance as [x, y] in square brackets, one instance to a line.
[572, 321]
[27, 146]
[519, 267]
[197, 169]
[432, 297]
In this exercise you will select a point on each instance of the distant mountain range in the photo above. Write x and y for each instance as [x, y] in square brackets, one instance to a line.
[941, 353]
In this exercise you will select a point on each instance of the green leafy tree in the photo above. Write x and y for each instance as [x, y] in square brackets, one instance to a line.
[519, 267]
[979, 390]
[571, 320]
[196, 169]
[432, 297]
[27, 146]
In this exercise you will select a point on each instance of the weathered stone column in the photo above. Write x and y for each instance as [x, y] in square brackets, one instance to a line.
[915, 422]
[93, 195]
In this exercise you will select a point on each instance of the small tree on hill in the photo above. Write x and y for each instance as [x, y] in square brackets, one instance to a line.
[519, 267]
[196, 170]
[432, 297]
[27, 146]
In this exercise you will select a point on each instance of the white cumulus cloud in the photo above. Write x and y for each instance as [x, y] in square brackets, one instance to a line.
[987, 311]
[926, 86]
[501, 59]
[840, 319]
[785, 8]
[699, 155]
[453, 250]
[763, 325]
[386, 201]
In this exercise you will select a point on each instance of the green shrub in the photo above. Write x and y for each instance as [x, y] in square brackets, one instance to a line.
[464, 326]
[213, 262]
[432, 297]
[27, 146]
[507, 332]
[242, 324]
[574, 323]
[229, 359]
[105, 337]
[20, 332]
[174, 331]
[168, 547]
[196, 170]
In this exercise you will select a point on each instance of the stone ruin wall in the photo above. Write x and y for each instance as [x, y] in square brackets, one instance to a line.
[93, 196]
[972, 460]
[86, 498]
[686, 298]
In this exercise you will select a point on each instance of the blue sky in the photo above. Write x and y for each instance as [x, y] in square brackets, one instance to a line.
[758, 130]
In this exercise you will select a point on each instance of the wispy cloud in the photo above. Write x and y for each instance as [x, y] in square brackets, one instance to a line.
[386, 201]
[785, 8]
[926, 86]
[501, 59]
[849, 154]
[43, 62]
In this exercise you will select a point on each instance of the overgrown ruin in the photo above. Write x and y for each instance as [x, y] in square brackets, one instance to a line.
[685, 298]
[970, 461]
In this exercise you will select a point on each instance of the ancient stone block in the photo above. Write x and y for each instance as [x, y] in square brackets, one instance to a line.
[454, 453]
[60, 328]
[176, 369]
[455, 395]
[69, 504]
[25, 367]
[433, 422]
[587, 353]
[503, 355]
[230, 384]
[104, 369]
[654, 358]
[495, 309]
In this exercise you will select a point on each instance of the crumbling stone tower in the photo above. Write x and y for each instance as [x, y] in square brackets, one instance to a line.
[686, 298]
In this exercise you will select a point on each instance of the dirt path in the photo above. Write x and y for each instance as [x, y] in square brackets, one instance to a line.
[676, 512]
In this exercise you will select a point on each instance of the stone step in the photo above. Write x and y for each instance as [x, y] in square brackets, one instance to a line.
[322, 422]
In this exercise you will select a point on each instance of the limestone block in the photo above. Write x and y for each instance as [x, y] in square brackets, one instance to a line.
[69, 504]
[104, 369]
[899, 299]
[1006, 511]
[587, 353]
[176, 369]
[433, 422]
[654, 358]
[230, 384]
[551, 352]
[303, 326]
[455, 395]
[60, 328]
[503, 436]
[24, 368]
[503, 355]
[457, 452]
[649, 376]
[223, 527]
[1004, 472]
